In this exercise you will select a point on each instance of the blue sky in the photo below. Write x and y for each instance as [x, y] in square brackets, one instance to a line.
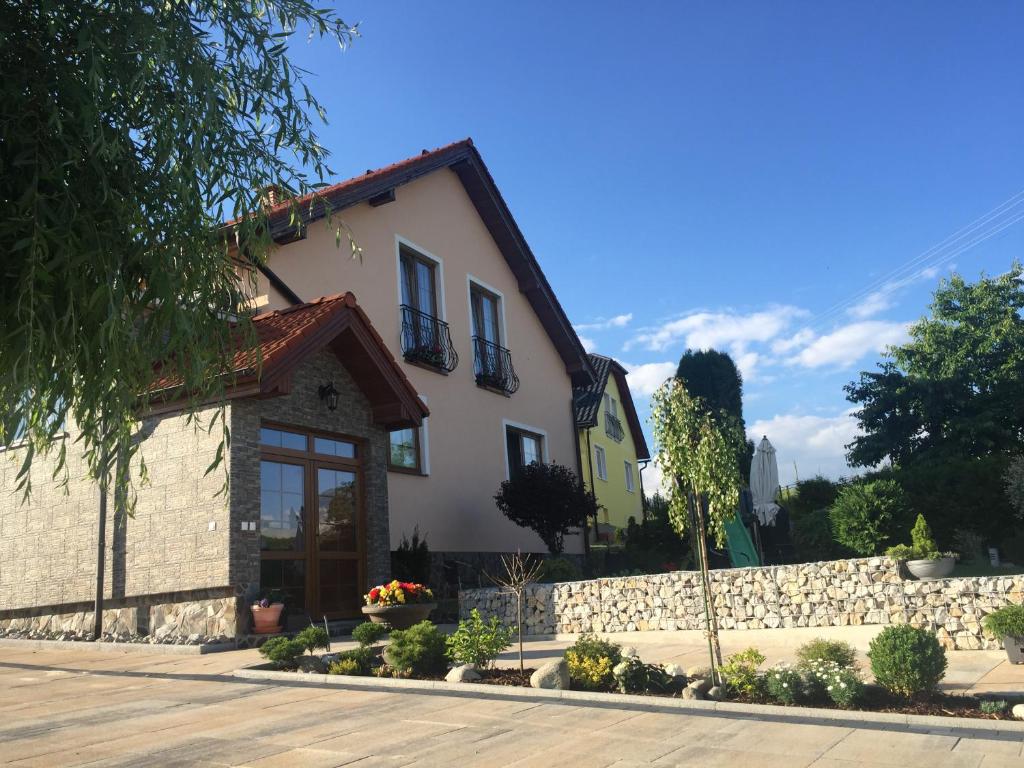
[716, 174]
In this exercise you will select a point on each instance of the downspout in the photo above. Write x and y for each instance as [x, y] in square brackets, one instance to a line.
[590, 469]
[641, 466]
[579, 472]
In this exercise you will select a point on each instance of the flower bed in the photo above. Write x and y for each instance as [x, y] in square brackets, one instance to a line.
[907, 664]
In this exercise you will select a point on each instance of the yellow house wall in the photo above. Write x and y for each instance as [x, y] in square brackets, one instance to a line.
[619, 504]
[465, 434]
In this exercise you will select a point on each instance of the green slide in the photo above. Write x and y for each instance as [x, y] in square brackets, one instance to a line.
[741, 548]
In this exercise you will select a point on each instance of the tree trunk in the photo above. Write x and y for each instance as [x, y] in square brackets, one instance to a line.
[101, 550]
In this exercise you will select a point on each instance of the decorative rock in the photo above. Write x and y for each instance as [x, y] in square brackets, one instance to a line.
[1018, 711]
[554, 674]
[697, 672]
[715, 693]
[692, 693]
[701, 685]
[674, 670]
[464, 673]
[313, 665]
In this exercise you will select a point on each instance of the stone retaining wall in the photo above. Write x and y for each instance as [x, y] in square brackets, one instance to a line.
[827, 594]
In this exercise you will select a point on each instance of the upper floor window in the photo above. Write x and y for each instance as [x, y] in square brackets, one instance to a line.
[602, 462]
[425, 336]
[492, 362]
[612, 425]
[523, 447]
[630, 482]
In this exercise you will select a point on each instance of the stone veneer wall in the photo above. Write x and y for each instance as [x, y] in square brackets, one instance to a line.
[827, 594]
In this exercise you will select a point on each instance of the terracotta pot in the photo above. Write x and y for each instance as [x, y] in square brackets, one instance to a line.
[399, 616]
[266, 621]
[931, 569]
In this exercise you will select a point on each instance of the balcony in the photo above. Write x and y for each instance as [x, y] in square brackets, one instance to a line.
[426, 340]
[493, 366]
[613, 427]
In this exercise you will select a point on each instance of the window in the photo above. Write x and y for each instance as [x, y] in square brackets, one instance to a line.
[339, 448]
[486, 312]
[630, 486]
[419, 282]
[523, 448]
[404, 451]
[279, 438]
[611, 408]
[601, 461]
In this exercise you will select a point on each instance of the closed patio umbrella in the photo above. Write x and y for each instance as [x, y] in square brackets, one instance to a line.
[764, 482]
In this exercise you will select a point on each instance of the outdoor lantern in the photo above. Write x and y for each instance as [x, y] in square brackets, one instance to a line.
[329, 395]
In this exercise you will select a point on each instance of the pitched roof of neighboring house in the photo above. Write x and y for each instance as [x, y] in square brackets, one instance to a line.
[465, 161]
[287, 337]
[587, 400]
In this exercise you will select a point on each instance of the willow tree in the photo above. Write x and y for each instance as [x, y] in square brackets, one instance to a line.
[699, 454]
[130, 131]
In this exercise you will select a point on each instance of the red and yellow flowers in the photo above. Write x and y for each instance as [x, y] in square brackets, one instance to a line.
[399, 593]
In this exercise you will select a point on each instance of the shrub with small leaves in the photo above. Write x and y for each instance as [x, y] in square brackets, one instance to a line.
[907, 661]
[784, 685]
[591, 661]
[633, 676]
[821, 649]
[313, 637]
[283, 652]
[845, 687]
[419, 650]
[740, 675]
[478, 642]
[345, 666]
[1005, 622]
[993, 707]
[369, 633]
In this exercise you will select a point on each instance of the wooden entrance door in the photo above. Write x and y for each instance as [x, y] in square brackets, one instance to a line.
[312, 522]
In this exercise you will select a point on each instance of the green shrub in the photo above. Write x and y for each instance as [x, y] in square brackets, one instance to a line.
[907, 661]
[867, 515]
[820, 649]
[845, 688]
[740, 675]
[411, 561]
[419, 650]
[478, 642]
[591, 661]
[993, 707]
[363, 659]
[922, 541]
[555, 569]
[1005, 622]
[283, 652]
[633, 676]
[901, 552]
[313, 637]
[345, 666]
[784, 685]
[369, 633]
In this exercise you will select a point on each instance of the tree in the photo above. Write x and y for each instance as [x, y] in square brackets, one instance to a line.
[700, 454]
[956, 387]
[869, 515]
[712, 377]
[131, 131]
[549, 499]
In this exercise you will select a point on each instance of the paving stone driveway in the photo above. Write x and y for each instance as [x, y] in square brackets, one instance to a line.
[70, 708]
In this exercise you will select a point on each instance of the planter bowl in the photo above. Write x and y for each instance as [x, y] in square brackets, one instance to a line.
[1014, 649]
[267, 621]
[399, 616]
[931, 569]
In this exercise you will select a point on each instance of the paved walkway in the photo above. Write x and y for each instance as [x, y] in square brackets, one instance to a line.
[80, 707]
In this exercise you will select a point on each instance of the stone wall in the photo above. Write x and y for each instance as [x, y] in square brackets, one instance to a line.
[828, 594]
[177, 540]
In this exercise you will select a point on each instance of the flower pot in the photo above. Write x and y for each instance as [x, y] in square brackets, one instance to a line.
[1014, 649]
[266, 621]
[399, 616]
[931, 569]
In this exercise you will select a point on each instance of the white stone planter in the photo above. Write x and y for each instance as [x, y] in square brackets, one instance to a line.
[931, 569]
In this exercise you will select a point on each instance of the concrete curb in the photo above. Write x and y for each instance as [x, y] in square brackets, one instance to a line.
[104, 647]
[729, 708]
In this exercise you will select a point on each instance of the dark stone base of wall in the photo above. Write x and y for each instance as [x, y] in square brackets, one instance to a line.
[206, 613]
[454, 571]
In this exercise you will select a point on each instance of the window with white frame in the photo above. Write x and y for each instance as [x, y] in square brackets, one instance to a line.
[630, 482]
[601, 461]
[523, 448]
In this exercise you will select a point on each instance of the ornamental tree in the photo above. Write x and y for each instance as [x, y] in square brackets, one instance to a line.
[549, 499]
[131, 131]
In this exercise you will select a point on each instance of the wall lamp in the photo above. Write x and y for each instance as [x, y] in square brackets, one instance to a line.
[329, 395]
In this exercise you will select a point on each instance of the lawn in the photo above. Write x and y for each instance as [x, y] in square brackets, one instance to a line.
[984, 568]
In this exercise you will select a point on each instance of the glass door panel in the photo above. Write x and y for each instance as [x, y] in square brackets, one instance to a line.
[339, 587]
[338, 529]
[282, 507]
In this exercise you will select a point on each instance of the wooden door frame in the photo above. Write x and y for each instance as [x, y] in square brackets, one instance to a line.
[310, 461]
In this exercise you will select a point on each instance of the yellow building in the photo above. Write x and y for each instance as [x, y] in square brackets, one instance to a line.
[612, 446]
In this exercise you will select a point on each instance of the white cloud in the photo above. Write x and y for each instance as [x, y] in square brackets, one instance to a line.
[807, 445]
[704, 330]
[654, 479]
[588, 343]
[798, 339]
[603, 324]
[882, 299]
[848, 344]
[644, 379]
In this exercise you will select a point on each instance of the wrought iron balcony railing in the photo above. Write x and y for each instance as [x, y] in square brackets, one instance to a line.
[613, 427]
[493, 366]
[426, 340]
